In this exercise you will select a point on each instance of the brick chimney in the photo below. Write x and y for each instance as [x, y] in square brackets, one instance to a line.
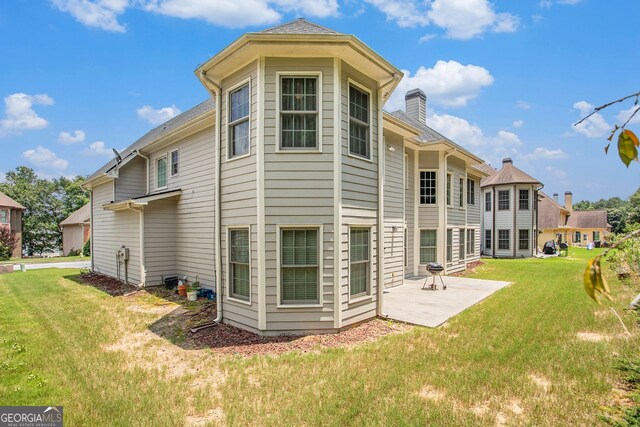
[568, 201]
[555, 197]
[416, 105]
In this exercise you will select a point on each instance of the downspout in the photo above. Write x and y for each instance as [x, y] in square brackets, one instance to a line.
[148, 170]
[380, 226]
[516, 233]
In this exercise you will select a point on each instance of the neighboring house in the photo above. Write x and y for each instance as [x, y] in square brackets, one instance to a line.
[290, 191]
[563, 224]
[509, 204]
[11, 216]
[76, 230]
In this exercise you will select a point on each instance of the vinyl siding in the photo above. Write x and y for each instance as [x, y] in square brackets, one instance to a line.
[238, 198]
[487, 220]
[111, 230]
[394, 211]
[72, 238]
[359, 198]
[298, 189]
[456, 215]
[160, 241]
[132, 180]
[409, 211]
[525, 220]
[192, 221]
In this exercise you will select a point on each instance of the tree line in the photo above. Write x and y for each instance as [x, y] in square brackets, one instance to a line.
[622, 214]
[48, 202]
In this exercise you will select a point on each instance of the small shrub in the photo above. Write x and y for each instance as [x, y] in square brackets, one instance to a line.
[86, 249]
[8, 242]
[74, 252]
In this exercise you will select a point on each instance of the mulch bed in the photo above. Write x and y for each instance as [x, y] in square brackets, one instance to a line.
[110, 285]
[471, 267]
[227, 339]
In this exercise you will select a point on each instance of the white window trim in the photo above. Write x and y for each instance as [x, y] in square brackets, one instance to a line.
[448, 192]
[508, 248]
[446, 246]
[369, 295]
[420, 230]
[166, 178]
[498, 191]
[463, 195]
[462, 234]
[475, 235]
[528, 199]
[8, 212]
[528, 248]
[228, 125]
[169, 158]
[475, 191]
[420, 204]
[363, 88]
[279, 228]
[229, 297]
[279, 76]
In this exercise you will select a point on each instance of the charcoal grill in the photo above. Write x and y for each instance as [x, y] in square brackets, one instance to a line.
[434, 269]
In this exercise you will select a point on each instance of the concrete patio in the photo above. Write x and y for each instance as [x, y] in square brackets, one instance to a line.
[411, 304]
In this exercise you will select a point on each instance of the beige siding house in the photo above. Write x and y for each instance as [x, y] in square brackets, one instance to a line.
[76, 230]
[11, 217]
[290, 192]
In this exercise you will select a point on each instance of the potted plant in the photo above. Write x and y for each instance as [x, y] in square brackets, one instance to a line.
[192, 292]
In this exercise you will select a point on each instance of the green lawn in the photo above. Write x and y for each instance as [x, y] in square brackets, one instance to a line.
[515, 358]
[45, 260]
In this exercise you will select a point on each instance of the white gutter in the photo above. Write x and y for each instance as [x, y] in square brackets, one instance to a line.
[216, 217]
[380, 226]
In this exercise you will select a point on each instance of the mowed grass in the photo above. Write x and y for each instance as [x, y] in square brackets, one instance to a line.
[45, 260]
[513, 359]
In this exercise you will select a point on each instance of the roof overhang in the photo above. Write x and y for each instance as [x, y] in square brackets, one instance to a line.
[251, 46]
[399, 127]
[140, 202]
[450, 147]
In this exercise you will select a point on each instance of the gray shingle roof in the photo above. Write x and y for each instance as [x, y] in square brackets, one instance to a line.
[548, 213]
[428, 135]
[299, 26]
[157, 132]
[80, 216]
[509, 174]
[486, 168]
[588, 219]
[8, 202]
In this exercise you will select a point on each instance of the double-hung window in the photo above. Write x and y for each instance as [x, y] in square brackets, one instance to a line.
[487, 201]
[4, 216]
[487, 239]
[359, 261]
[299, 266]
[239, 267]
[448, 189]
[461, 192]
[596, 234]
[175, 158]
[471, 192]
[359, 123]
[161, 172]
[471, 241]
[298, 113]
[428, 246]
[461, 244]
[504, 237]
[523, 239]
[427, 187]
[523, 200]
[449, 244]
[238, 134]
[503, 200]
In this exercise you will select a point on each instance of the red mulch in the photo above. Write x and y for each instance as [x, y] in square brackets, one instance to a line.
[110, 285]
[227, 339]
[470, 269]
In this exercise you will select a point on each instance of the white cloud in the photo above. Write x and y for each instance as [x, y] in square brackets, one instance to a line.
[523, 105]
[448, 83]
[595, 126]
[102, 14]
[427, 37]
[560, 175]
[546, 4]
[518, 123]
[98, 149]
[159, 116]
[624, 115]
[461, 19]
[68, 138]
[20, 114]
[45, 159]
[541, 153]
[317, 8]
[405, 13]
[536, 18]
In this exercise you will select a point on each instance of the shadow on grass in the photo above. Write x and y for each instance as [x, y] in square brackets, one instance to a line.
[106, 284]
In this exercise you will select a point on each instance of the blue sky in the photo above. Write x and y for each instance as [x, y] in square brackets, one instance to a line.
[79, 77]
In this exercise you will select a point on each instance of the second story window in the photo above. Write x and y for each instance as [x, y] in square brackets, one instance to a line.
[175, 158]
[359, 122]
[238, 131]
[448, 189]
[471, 192]
[427, 187]
[503, 200]
[299, 113]
[461, 192]
[524, 200]
[161, 172]
[487, 201]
